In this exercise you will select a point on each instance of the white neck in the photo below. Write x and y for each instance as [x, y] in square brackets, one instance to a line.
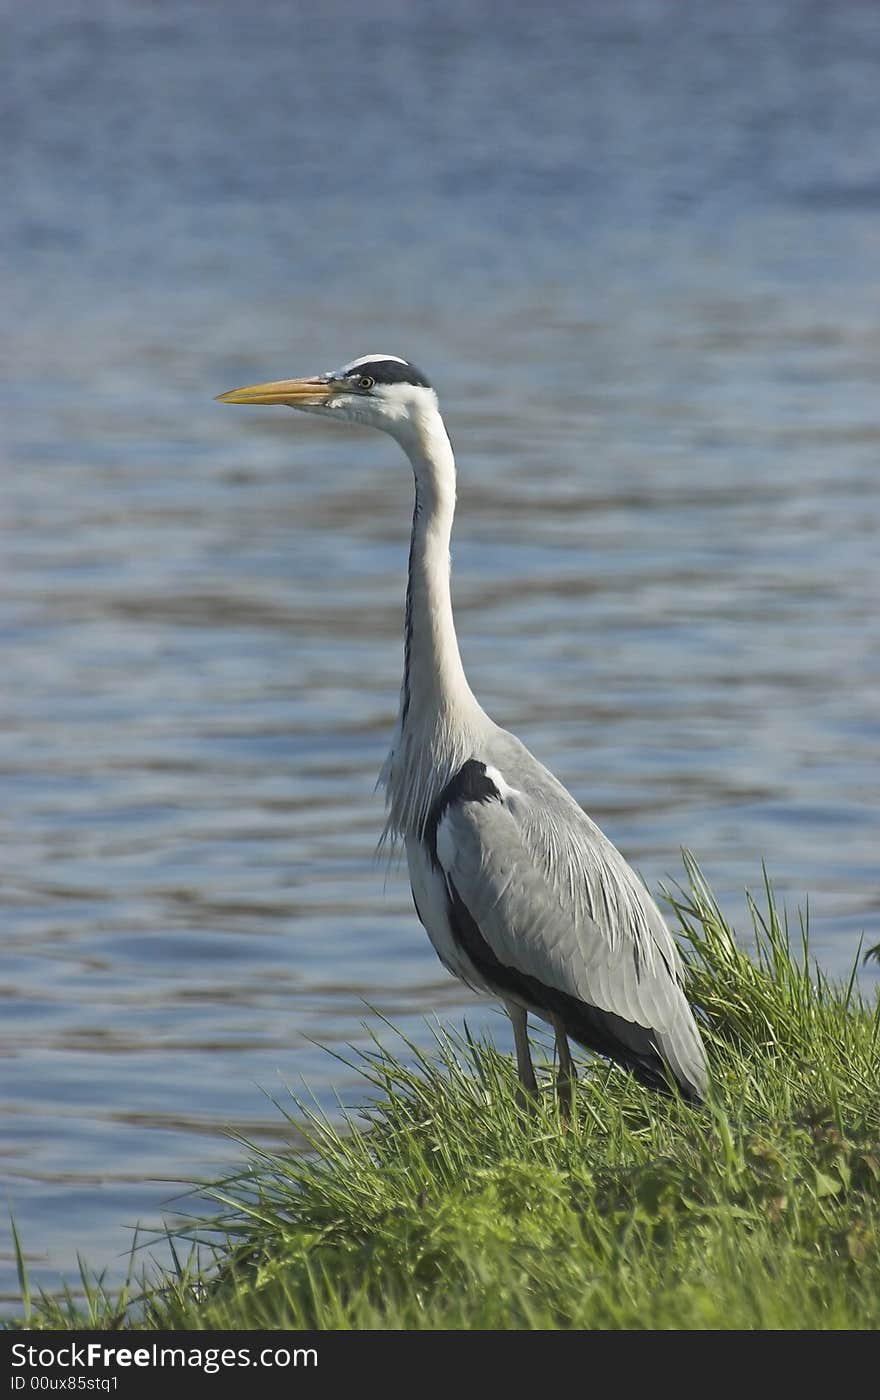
[439, 717]
[434, 677]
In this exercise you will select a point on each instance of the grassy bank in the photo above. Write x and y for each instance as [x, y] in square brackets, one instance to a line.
[445, 1204]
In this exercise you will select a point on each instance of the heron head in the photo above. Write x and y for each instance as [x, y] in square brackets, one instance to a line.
[380, 391]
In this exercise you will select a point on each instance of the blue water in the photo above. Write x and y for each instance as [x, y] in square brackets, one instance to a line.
[636, 247]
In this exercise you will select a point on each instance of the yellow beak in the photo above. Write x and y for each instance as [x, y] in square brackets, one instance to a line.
[296, 392]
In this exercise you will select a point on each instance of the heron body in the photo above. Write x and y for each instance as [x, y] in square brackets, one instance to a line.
[521, 894]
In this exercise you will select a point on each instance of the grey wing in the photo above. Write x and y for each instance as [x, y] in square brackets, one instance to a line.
[550, 912]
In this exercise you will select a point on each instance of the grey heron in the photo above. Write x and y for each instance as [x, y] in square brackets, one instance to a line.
[521, 894]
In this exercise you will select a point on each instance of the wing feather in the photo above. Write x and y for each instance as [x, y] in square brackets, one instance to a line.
[556, 902]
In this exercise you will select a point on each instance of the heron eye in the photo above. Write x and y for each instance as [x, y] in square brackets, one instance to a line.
[365, 382]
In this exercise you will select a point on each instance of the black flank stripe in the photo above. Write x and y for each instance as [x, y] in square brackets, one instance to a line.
[604, 1033]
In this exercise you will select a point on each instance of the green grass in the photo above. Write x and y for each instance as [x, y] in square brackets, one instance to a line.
[444, 1204]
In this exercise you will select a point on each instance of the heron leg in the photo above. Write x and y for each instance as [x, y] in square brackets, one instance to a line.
[567, 1076]
[524, 1066]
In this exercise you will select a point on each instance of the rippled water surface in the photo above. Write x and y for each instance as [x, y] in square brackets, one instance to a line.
[637, 250]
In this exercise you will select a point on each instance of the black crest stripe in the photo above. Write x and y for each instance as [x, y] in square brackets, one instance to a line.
[391, 372]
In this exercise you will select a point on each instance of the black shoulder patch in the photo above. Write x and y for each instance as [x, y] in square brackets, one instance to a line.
[469, 784]
[392, 372]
